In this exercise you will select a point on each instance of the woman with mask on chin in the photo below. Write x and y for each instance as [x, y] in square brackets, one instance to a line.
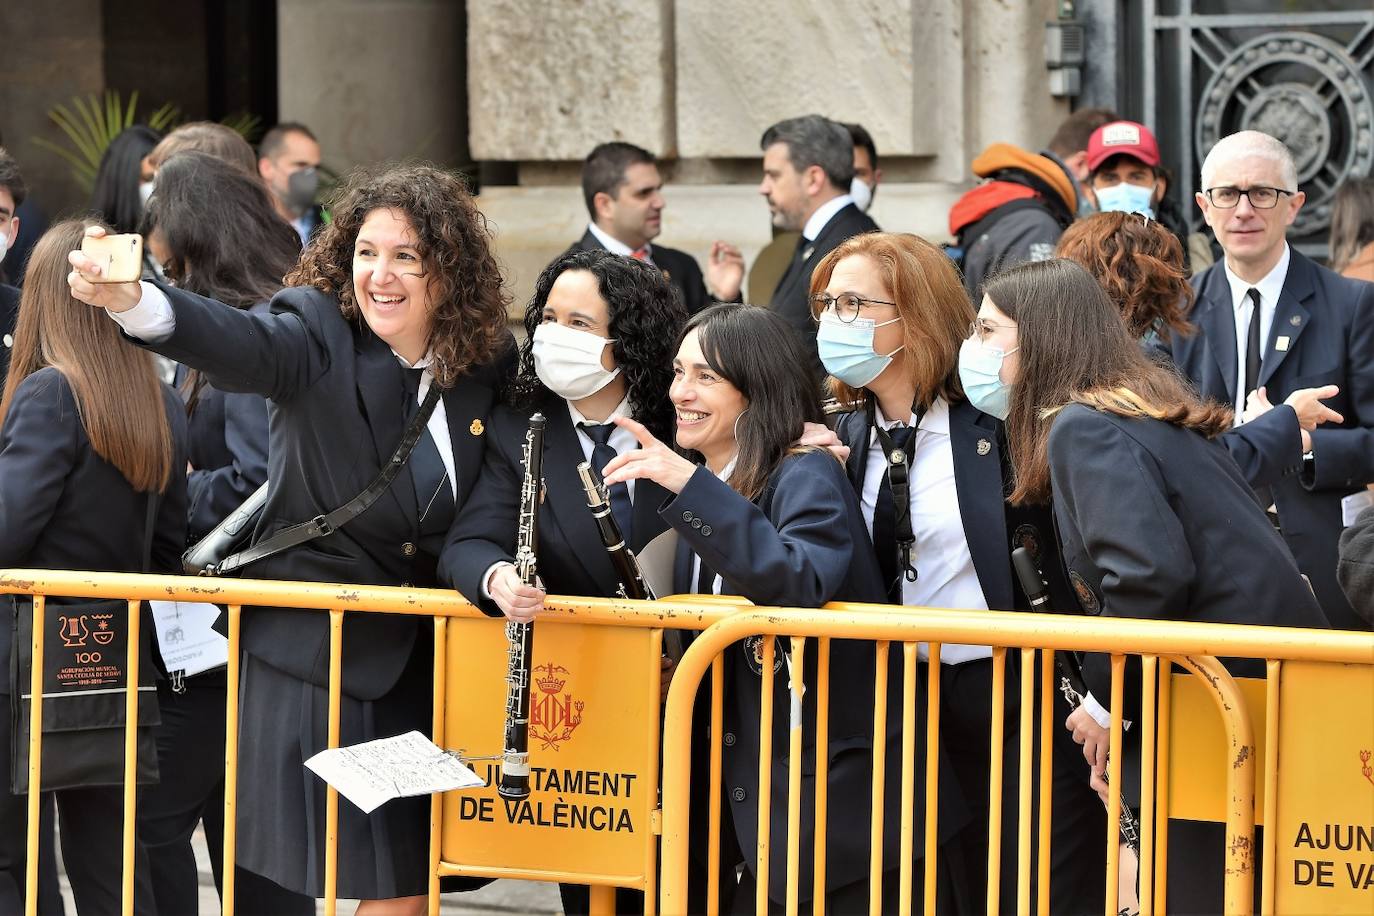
[928, 462]
[760, 516]
[1154, 518]
[600, 333]
[399, 294]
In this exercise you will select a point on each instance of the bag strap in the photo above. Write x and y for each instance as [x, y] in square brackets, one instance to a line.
[321, 525]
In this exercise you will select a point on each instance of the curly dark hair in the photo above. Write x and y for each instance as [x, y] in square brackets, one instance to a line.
[646, 318]
[1141, 267]
[453, 238]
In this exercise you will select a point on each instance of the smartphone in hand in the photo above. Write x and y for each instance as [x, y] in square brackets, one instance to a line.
[120, 257]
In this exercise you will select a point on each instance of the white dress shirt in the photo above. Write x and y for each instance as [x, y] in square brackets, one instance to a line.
[945, 574]
[152, 321]
[616, 246]
[824, 213]
[1270, 287]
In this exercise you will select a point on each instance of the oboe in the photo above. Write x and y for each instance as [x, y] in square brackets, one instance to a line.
[1071, 683]
[515, 757]
[627, 569]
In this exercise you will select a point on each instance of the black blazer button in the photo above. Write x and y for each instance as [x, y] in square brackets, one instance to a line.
[408, 549]
[686, 516]
[706, 531]
[738, 795]
[696, 523]
[729, 739]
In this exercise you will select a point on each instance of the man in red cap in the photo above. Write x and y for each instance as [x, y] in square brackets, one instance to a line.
[1123, 168]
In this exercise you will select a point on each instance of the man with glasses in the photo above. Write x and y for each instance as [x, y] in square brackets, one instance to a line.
[1272, 322]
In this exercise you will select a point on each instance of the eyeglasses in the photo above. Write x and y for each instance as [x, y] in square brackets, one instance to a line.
[1261, 198]
[981, 328]
[845, 306]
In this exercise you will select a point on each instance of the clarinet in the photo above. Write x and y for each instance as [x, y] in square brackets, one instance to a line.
[627, 570]
[515, 757]
[1071, 684]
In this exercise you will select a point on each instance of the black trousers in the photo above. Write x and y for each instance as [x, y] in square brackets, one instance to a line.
[190, 748]
[1078, 853]
[92, 823]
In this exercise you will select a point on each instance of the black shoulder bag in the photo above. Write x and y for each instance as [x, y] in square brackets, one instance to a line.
[85, 651]
[219, 553]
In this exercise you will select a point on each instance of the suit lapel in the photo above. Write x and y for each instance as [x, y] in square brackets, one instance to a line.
[982, 506]
[1218, 323]
[381, 391]
[648, 498]
[856, 428]
[466, 406]
[1290, 317]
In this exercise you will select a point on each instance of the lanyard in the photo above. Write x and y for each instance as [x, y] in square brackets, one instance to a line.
[898, 472]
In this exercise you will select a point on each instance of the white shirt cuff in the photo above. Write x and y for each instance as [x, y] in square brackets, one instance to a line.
[1101, 716]
[152, 320]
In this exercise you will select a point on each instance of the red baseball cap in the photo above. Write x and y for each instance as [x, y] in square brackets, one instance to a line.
[1122, 138]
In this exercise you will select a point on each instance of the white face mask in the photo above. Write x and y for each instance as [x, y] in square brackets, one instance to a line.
[145, 191]
[861, 192]
[4, 245]
[568, 361]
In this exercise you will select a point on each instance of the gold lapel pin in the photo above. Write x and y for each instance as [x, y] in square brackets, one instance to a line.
[984, 446]
[476, 428]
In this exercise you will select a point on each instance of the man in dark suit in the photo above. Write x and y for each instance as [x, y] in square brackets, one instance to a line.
[624, 194]
[1272, 322]
[289, 162]
[808, 165]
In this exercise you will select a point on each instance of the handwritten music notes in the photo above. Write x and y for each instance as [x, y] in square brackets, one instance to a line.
[375, 772]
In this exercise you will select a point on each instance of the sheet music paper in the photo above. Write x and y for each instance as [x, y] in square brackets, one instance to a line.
[375, 772]
[185, 638]
[656, 562]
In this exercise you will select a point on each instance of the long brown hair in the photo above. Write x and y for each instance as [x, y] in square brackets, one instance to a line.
[1352, 221]
[1074, 348]
[754, 349]
[1140, 265]
[931, 301]
[118, 395]
[468, 326]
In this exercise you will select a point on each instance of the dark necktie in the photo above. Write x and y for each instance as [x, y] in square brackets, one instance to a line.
[433, 494]
[1252, 346]
[885, 518]
[602, 453]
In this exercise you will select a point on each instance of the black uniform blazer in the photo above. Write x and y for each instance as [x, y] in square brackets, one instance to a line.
[572, 560]
[228, 451]
[1156, 521]
[792, 297]
[1329, 322]
[679, 269]
[803, 544]
[338, 395]
[992, 526]
[62, 506]
[9, 315]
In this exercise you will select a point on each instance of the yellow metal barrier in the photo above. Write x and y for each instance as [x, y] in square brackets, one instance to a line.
[723, 624]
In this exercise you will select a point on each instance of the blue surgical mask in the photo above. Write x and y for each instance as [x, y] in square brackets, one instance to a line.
[980, 372]
[1126, 198]
[846, 349]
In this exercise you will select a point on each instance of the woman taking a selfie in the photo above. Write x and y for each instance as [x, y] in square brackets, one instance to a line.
[88, 438]
[399, 294]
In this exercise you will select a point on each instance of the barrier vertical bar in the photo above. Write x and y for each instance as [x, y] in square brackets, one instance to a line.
[1163, 714]
[231, 758]
[35, 757]
[908, 826]
[930, 851]
[765, 788]
[875, 836]
[1047, 725]
[1114, 780]
[1149, 677]
[1268, 863]
[436, 801]
[795, 687]
[135, 620]
[651, 846]
[1148, 779]
[331, 811]
[996, 743]
[713, 821]
[822, 773]
[1027, 774]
